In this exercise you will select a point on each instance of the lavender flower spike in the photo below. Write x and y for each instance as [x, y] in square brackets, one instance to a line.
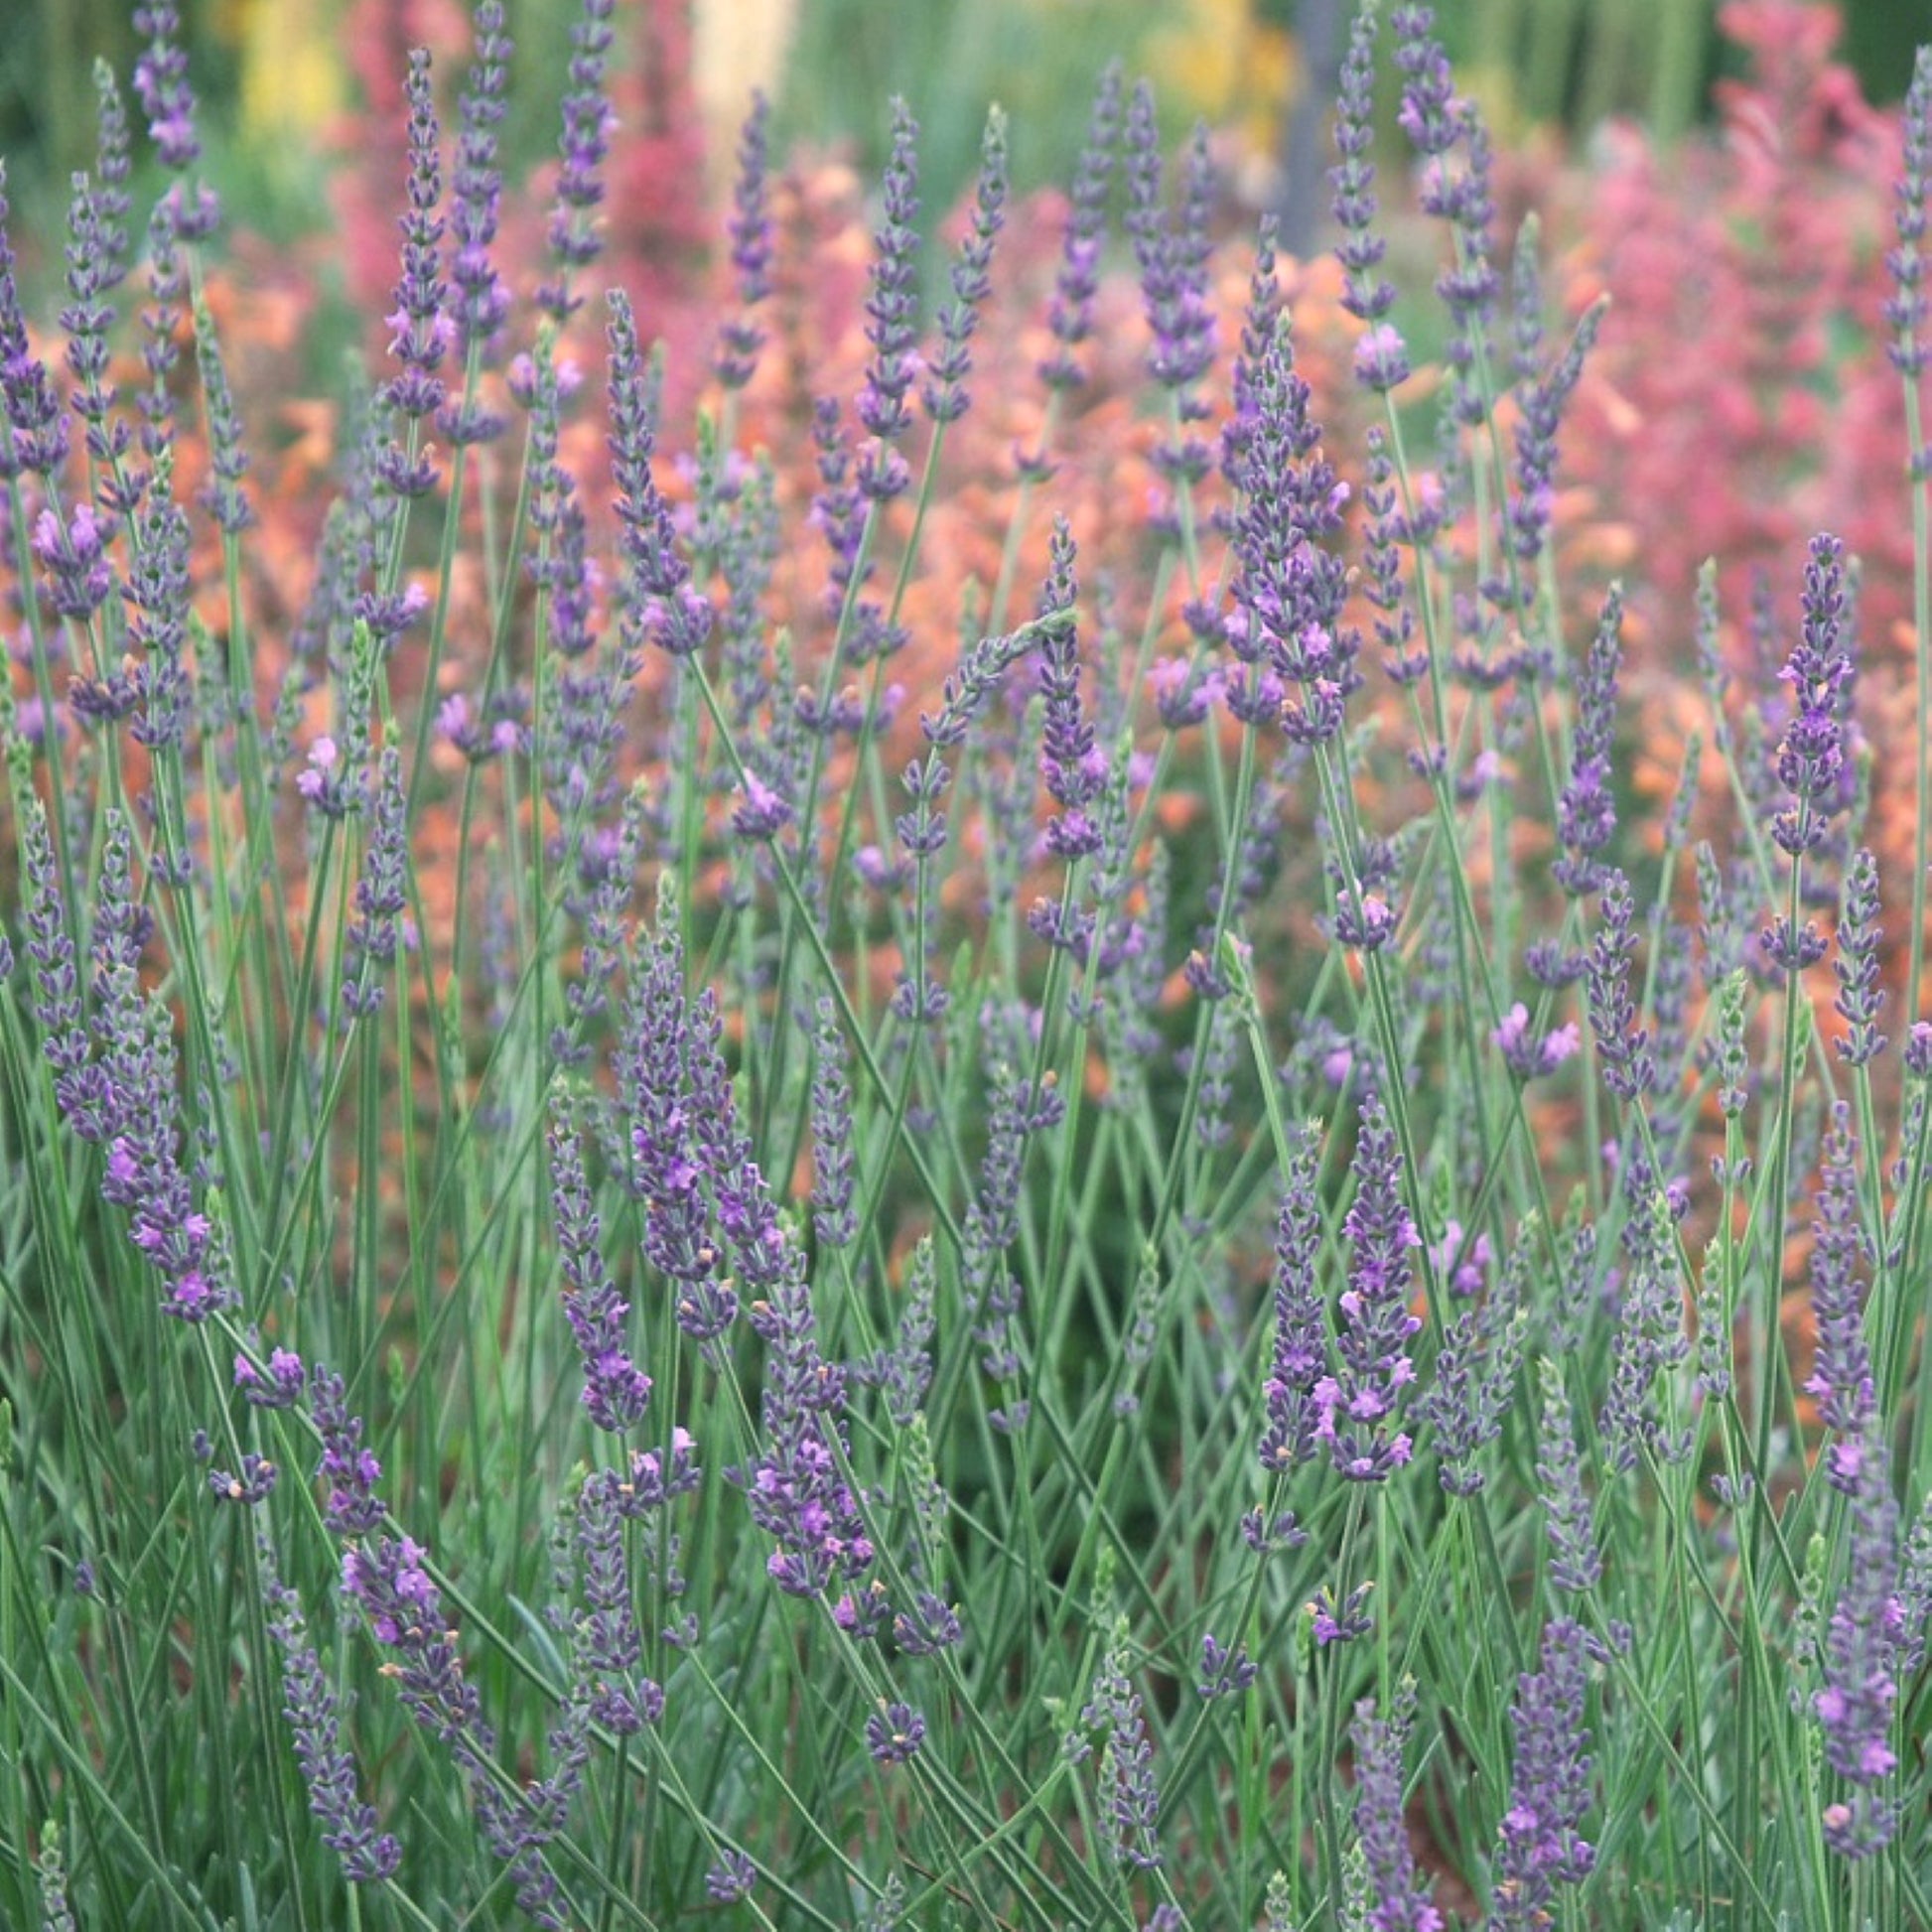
[1397, 1901]
[891, 315]
[741, 338]
[1906, 311]
[1540, 1846]
[584, 145]
[1070, 315]
[1358, 1406]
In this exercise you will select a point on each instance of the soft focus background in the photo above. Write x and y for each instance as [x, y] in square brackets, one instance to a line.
[275, 84]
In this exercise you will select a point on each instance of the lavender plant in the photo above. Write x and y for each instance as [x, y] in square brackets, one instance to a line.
[533, 1391]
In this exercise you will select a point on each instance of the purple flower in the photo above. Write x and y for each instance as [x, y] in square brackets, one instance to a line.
[892, 312]
[351, 1471]
[730, 1877]
[1540, 1846]
[1623, 1047]
[1840, 1377]
[1855, 1706]
[1586, 810]
[1127, 1765]
[1859, 994]
[1225, 1673]
[279, 1388]
[583, 145]
[1543, 404]
[314, 1719]
[1529, 1058]
[1812, 763]
[1905, 310]
[607, 1646]
[832, 1157]
[1071, 315]
[227, 462]
[665, 606]
[1358, 1406]
[944, 391]
[1366, 292]
[1649, 1341]
[1171, 257]
[1475, 1368]
[1574, 1562]
[1072, 769]
[1301, 1339]
[78, 578]
[1398, 1901]
[422, 330]
[615, 1390]
[894, 1733]
[478, 301]
[739, 340]
[381, 893]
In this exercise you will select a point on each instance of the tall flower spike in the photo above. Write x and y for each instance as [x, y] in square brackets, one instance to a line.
[1812, 764]
[1541, 1846]
[1366, 292]
[1861, 996]
[893, 314]
[1073, 766]
[1358, 1406]
[478, 301]
[314, 1719]
[161, 81]
[664, 605]
[35, 433]
[944, 391]
[615, 1390]
[1906, 310]
[1855, 1706]
[1841, 1376]
[832, 1159]
[741, 338]
[1071, 315]
[1586, 810]
[583, 146]
[1301, 1351]
[1398, 1901]
[419, 324]
[1127, 1762]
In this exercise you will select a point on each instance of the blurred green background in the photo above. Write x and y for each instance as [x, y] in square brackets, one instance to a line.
[273, 79]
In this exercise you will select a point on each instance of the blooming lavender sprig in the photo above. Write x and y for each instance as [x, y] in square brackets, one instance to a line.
[1292, 581]
[1586, 810]
[730, 1878]
[157, 597]
[1623, 1047]
[663, 1172]
[1078, 282]
[741, 338]
[832, 1157]
[1171, 255]
[314, 1717]
[1301, 1349]
[1840, 1377]
[1476, 1374]
[607, 1646]
[91, 271]
[583, 146]
[891, 315]
[161, 81]
[1575, 1565]
[478, 301]
[1358, 1405]
[350, 1470]
[73, 553]
[1905, 310]
[944, 390]
[56, 1006]
[1127, 1762]
[664, 607]
[1861, 996]
[36, 429]
[1540, 1846]
[1543, 406]
[381, 893]
[1397, 1899]
[616, 1390]
[1854, 1706]
[1812, 764]
[420, 326]
[1649, 1341]
[1073, 766]
[1366, 292]
[227, 459]
[894, 1733]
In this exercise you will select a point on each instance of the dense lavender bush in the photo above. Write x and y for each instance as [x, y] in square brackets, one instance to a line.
[1195, 1277]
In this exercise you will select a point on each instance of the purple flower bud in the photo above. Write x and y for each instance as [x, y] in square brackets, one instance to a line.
[894, 1733]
